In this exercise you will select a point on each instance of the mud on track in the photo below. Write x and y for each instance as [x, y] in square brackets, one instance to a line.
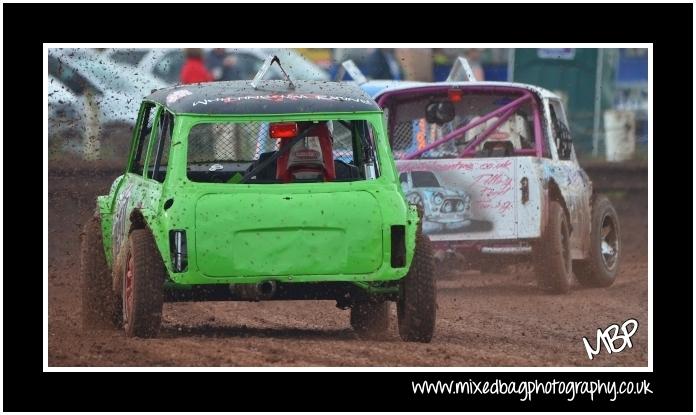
[483, 319]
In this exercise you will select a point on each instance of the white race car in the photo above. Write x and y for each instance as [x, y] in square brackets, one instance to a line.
[508, 146]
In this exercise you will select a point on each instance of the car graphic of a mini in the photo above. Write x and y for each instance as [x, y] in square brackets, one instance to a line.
[444, 208]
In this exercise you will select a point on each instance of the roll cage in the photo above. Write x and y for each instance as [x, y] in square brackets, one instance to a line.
[503, 113]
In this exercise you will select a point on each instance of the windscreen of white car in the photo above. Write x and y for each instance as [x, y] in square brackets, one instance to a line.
[411, 130]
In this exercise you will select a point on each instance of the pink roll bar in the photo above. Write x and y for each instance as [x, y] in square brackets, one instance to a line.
[538, 133]
[470, 149]
[508, 109]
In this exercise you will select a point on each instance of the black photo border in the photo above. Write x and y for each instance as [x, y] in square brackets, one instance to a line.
[28, 388]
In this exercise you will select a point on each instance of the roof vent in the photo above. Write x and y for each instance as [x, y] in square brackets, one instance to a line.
[351, 69]
[265, 67]
[461, 71]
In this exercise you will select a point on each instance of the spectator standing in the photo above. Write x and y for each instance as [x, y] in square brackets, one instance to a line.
[382, 64]
[194, 70]
[222, 66]
[473, 56]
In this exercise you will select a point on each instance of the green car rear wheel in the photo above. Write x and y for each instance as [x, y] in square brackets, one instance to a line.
[417, 304]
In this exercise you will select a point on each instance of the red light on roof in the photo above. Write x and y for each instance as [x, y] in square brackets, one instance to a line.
[283, 129]
[455, 95]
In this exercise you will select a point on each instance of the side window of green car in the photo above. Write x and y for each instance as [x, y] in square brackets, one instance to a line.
[143, 135]
[157, 166]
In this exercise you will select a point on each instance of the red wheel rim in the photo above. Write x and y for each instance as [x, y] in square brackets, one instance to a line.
[128, 288]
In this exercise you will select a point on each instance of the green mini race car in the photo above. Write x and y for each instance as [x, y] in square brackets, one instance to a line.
[261, 190]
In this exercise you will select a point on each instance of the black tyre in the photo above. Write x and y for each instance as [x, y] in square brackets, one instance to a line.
[143, 286]
[370, 318]
[417, 304]
[602, 264]
[98, 301]
[118, 271]
[553, 265]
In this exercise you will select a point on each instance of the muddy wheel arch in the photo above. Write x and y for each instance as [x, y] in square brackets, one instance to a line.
[553, 192]
[137, 221]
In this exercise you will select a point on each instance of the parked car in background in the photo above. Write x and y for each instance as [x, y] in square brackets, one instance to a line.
[67, 94]
[165, 63]
[68, 110]
[105, 74]
[116, 91]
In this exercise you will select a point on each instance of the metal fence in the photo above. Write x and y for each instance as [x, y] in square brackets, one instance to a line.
[246, 141]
